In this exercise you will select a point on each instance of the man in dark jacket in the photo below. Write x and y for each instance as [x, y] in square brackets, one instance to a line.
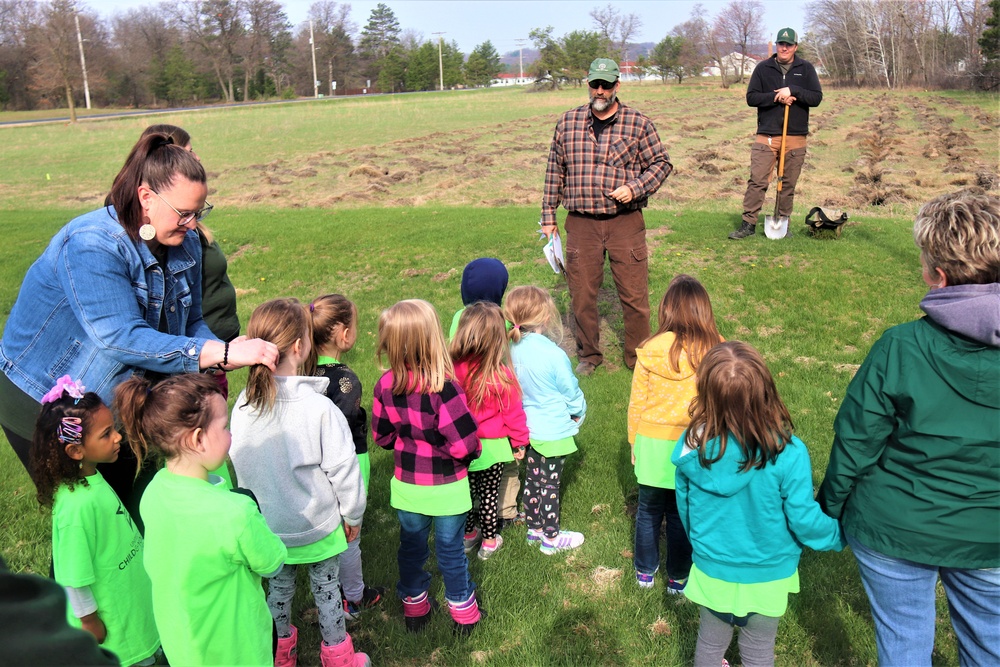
[783, 80]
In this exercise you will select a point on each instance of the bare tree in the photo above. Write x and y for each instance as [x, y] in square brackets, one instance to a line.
[740, 24]
[54, 43]
[216, 27]
[616, 29]
[16, 19]
[333, 31]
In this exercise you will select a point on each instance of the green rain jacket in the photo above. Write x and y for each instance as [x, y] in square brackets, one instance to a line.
[914, 471]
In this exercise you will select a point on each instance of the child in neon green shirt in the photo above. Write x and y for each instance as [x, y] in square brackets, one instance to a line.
[206, 547]
[96, 547]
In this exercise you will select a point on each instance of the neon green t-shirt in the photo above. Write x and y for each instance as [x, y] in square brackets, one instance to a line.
[495, 450]
[560, 447]
[317, 552]
[95, 543]
[441, 500]
[206, 549]
[768, 598]
[653, 466]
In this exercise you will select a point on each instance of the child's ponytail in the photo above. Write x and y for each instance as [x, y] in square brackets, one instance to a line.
[282, 322]
[156, 416]
[326, 313]
[530, 309]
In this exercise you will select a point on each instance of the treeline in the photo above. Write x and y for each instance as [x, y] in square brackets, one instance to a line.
[195, 51]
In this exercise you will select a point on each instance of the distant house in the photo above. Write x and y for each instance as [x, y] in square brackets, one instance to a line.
[732, 62]
[510, 79]
[629, 72]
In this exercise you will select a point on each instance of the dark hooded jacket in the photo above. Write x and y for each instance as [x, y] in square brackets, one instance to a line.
[914, 471]
[801, 79]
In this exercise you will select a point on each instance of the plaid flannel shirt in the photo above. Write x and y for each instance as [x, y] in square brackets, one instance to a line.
[581, 172]
[433, 436]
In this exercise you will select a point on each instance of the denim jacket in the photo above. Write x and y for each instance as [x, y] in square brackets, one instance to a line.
[90, 307]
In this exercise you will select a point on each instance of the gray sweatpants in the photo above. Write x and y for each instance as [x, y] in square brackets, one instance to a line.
[325, 578]
[756, 640]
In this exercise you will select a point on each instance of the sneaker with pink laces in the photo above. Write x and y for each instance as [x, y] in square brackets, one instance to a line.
[486, 550]
[565, 540]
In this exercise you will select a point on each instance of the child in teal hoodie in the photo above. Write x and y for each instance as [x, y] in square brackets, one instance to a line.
[745, 497]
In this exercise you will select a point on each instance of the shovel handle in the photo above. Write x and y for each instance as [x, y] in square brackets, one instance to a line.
[781, 159]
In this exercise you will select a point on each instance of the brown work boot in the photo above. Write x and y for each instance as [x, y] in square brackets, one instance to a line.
[745, 230]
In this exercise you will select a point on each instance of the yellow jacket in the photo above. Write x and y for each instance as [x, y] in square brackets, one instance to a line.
[658, 406]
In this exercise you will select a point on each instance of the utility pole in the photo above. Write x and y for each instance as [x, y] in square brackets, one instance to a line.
[520, 57]
[312, 43]
[440, 60]
[83, 61]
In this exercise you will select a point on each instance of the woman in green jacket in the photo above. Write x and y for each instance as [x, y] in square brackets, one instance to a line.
[914, 473]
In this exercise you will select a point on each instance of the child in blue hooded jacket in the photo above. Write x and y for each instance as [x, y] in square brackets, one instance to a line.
[745, 497]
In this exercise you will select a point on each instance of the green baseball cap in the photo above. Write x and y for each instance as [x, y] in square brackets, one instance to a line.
[787, 35]
[603, 69]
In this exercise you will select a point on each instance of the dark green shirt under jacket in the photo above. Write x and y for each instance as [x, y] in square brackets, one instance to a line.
[914, 471]
[218, 296]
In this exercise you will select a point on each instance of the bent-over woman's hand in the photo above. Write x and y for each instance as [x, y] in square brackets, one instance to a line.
[242, 352]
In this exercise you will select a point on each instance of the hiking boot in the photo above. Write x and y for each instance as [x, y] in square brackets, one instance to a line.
[585, 368]
[565, 540]
[745, 230]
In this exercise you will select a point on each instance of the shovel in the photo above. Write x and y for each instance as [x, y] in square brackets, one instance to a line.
[776, 227]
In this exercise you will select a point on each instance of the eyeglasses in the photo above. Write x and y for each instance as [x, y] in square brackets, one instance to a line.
[185, 218]
[606, 85]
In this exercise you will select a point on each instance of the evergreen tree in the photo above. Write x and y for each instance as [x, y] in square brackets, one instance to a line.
[483, 65]
[381, 34]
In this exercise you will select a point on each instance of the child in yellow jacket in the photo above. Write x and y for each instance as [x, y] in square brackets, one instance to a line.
[663, 387]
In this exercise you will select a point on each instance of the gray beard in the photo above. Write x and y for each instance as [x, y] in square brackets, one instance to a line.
[600, 105]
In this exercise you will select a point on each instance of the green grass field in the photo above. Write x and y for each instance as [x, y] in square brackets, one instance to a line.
[295, 222]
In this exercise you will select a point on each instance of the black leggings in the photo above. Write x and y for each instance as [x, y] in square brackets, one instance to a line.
[484, 485]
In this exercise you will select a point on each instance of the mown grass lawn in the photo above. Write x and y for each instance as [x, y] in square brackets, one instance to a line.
[812, 306]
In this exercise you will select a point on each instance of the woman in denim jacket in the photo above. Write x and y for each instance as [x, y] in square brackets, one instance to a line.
[118, 292]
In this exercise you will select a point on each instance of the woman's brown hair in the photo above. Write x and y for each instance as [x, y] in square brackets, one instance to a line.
[411, 341]
[481, 342]
[156, 416]
[737, 398]
[155, 161]
[327, 313]
[282, 322]
[686, 311]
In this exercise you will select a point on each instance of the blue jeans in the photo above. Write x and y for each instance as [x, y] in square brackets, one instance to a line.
[655, 504]
[414, 552]
[901, 594]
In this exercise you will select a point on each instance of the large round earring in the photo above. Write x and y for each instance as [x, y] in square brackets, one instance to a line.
[147, 232]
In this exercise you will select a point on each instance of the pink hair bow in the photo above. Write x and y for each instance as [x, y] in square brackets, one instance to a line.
[66, 385]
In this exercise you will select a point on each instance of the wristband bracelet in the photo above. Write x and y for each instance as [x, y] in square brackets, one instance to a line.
[225, 356]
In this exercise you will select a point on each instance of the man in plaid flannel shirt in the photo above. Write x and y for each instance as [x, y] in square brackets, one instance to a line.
[605, 161]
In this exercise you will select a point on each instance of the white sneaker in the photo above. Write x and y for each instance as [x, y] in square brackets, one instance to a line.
[565, 540]
[485, 552]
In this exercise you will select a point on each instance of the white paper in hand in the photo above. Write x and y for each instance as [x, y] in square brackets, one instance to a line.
[554, 253]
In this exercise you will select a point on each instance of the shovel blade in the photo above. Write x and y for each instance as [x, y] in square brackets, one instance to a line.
[775, 227]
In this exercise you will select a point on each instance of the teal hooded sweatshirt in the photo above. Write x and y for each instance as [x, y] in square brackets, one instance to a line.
[750, 527]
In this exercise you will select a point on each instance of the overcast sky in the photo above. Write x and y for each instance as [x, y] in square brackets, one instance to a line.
[504, 22]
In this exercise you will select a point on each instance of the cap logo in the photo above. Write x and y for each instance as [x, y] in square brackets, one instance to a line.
[602, 67]
[784, 34]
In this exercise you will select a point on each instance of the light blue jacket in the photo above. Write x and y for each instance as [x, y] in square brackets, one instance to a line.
[552, 396]
[750, 527]
[90, 307]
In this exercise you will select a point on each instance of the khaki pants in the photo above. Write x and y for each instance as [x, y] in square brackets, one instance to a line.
[763, 160]
[623, 240]
[510, 491]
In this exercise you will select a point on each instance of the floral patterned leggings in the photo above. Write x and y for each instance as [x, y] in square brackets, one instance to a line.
[541, 491]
